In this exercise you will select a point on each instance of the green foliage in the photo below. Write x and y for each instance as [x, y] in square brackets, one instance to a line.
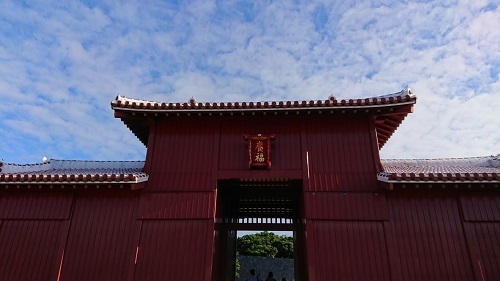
[237, 269]
[265, 244]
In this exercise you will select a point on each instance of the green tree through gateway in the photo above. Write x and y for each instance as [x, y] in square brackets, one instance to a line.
[265, 244]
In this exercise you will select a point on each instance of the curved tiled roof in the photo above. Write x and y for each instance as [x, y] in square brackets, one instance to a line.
[451, 170]
[73, 172]
[124, 103]
[457, 170]
[390, 110]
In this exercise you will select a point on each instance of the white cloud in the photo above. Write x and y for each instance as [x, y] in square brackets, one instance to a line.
[62, 63]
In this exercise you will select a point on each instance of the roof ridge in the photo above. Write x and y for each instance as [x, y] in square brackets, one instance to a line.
[192, 101]
[10, 168]
[82, 160]
[494, 157]
[491, 161]
[68, 160]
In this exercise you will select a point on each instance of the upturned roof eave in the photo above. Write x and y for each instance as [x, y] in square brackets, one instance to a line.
[134, 113]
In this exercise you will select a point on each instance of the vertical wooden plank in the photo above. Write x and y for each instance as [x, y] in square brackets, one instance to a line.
[28, 251]
[345, 250]
[103, 224]
[431, 242]
[173, 249]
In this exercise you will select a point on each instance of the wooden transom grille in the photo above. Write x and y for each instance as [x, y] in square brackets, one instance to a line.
[266, 202]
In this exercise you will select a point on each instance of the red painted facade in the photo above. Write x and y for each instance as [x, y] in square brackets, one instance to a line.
[180, 224]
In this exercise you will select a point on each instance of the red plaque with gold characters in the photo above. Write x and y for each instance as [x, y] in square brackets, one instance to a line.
[259, 151]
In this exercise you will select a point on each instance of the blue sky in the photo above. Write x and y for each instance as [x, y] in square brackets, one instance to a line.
[63, 62]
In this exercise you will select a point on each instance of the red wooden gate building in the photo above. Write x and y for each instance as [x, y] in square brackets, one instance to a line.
[211, 169]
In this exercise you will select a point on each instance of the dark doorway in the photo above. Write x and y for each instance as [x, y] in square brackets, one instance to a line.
[257, 205]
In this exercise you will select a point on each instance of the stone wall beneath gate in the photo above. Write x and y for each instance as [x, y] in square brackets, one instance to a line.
[262, 265]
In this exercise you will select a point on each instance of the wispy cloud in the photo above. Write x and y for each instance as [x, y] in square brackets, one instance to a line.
[62, 63]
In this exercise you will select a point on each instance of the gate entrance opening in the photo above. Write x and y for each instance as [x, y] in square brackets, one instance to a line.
[257, 205]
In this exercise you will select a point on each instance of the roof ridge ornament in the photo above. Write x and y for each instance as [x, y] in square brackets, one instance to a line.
[407, 92]
[192, 101]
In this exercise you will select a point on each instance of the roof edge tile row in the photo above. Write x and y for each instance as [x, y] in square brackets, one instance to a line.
[124, 103]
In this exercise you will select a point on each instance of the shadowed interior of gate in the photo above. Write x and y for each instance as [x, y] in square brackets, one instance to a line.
[258, 205]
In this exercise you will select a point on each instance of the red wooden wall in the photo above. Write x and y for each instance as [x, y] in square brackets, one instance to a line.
[406, 235]
[33, 230]
[187, 155]
[102, 236]
[341, 154]
[481, 213]
[355, 231]
[129, 235]
[430, 236]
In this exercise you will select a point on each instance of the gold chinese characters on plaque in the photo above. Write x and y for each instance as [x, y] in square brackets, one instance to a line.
[259, 151]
